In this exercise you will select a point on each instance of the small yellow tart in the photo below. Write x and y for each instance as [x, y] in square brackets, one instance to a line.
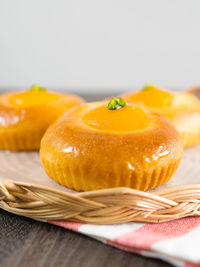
[95, 146]
[182, 109]
[25, 116]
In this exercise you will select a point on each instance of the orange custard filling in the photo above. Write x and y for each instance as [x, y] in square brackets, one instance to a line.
[153, 97]
[32, 98]
[130, 118]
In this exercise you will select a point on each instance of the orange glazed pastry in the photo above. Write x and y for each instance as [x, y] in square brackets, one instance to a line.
[96, 146]
[25, 116]
[182, 109]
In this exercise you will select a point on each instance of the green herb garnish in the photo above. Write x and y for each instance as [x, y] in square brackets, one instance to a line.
[36, 87]
[116, 103]
[149, 86]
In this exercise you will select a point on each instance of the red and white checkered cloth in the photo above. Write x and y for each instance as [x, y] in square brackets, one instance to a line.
[177, 242]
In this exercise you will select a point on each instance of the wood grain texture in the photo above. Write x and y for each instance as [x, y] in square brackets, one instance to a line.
[24, 242]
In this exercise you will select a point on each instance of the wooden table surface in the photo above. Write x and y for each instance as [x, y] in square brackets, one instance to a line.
[28, 243]
[25, 242]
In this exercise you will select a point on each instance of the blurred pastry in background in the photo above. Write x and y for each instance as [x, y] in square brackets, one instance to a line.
[25, 116]
[181, 108]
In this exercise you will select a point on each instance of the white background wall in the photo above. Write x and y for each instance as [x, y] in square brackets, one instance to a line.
[99, 44]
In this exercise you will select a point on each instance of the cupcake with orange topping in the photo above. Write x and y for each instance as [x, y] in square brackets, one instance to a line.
[181, 108]
[104, 145]
[25, 116]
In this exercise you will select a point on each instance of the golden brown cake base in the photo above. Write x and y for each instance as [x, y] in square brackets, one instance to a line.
[188, 126]
[76, 178]
[21, 141]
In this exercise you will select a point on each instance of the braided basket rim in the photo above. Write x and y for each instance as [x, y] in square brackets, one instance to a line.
[105, 206]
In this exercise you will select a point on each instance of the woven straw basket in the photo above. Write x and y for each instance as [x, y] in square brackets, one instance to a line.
[40, 198]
